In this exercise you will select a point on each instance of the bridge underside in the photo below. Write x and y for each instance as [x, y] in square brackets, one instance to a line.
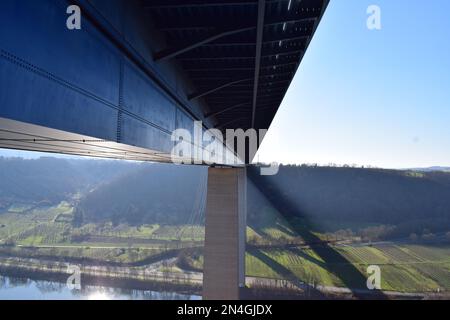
[25, 136]
[140, 69]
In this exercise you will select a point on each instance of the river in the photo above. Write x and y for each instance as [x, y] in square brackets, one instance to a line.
[28, 289]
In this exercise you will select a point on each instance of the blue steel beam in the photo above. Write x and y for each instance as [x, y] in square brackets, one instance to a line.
[99, 81]
[173, 52]
[102, 83]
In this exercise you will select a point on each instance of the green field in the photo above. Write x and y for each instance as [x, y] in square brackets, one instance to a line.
[48, 232]
[404, 268]
[53, 225]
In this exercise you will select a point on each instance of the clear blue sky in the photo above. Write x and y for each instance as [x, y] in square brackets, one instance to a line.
[366, 97]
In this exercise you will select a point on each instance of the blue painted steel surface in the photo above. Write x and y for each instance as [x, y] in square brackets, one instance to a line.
[79, 80]
[114, 79]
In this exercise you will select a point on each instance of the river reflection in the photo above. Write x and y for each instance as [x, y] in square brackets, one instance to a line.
[26, 289]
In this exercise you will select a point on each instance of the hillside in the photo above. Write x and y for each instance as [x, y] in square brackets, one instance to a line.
[330, 198]
[52, 180]
[322, 199]
[142, 214]
[155, 193]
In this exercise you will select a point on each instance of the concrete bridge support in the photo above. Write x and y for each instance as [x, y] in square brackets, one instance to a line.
[224, 254]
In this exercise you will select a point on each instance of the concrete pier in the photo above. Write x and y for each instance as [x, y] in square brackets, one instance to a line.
[225, 235]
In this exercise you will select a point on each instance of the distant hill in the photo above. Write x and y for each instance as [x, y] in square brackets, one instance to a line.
[430, 169]
[324, 198]
[52, 180]
[328, 198]
[155, 193]
[320, 198]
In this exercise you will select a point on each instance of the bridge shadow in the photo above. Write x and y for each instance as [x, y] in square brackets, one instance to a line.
[309, 290]
[333, 261]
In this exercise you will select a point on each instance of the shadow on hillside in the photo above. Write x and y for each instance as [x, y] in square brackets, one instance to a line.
[334, 262]
[286, 273]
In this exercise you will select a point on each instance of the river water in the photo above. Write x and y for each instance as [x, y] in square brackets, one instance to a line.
[27, 289]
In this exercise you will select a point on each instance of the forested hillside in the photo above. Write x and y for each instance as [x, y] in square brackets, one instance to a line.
[155, 193]
[51, 180]
[330, 198]
[323, 199]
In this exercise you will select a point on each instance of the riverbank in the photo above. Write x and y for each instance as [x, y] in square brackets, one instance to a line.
[133, 278]
[188, 283]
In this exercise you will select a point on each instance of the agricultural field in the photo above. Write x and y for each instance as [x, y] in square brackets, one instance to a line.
[46, 232]
[404, 268]
[53, 225]
[94, 255]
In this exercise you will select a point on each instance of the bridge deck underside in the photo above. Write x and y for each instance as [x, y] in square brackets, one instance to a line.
[246, 54]
[23, 136]
[140, 69]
